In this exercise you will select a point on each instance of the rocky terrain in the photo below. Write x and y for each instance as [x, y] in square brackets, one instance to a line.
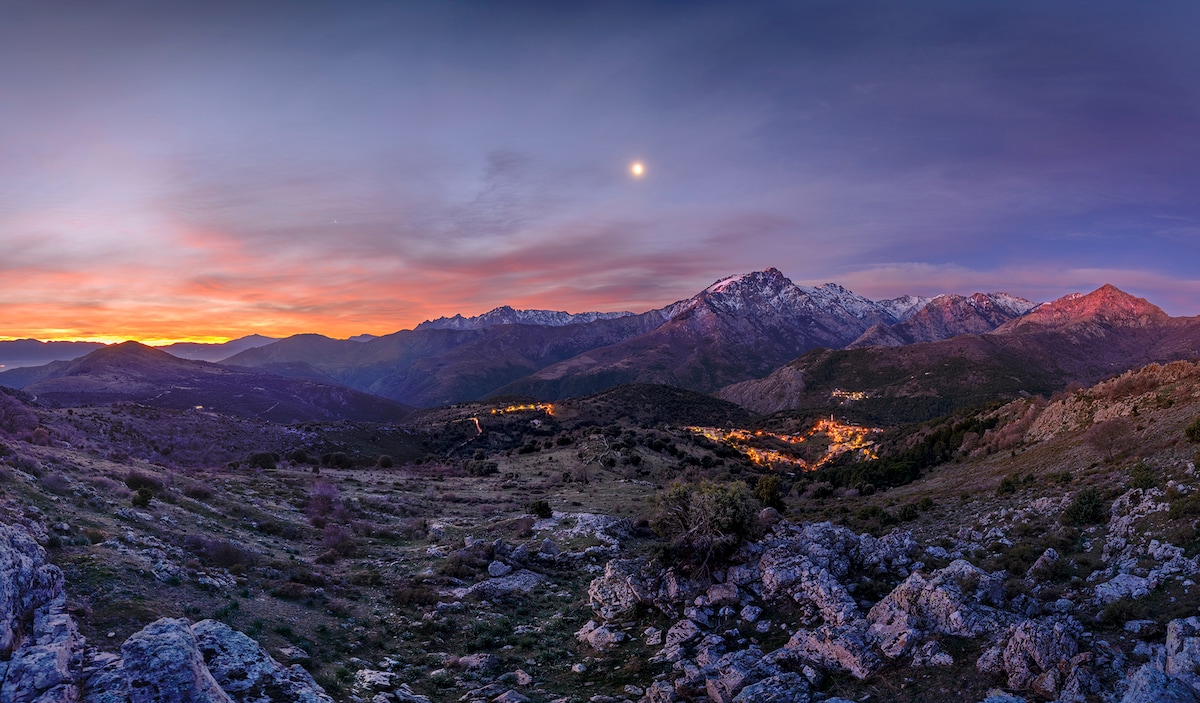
[512, 550]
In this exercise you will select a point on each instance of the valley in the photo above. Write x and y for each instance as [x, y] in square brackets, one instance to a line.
[976, 530]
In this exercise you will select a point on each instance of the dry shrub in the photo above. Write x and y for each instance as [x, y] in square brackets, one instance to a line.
[138, 479]
[339, 539]
[1111, 437]
[55, 483]
[218, 552]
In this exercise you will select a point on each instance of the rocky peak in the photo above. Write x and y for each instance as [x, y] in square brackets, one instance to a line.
[508, 315]
[1106, 305]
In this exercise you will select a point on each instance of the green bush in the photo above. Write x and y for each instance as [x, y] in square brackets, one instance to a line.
[1008, 485]
[1086, 509]
[705, 521]
[385, 462]
[767, 492]
[1193, 430]
[540, 508]
[142, 498]
[476, 467]
[337, 460]
[262, 460]
[1142, 475]
[907, 512]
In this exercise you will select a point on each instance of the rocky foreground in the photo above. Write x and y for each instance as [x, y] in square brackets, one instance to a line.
[802, 606]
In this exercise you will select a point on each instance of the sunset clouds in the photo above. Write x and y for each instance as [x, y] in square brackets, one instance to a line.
[219, 169]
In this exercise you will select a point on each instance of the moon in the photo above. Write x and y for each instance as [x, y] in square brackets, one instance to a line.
[637, 169]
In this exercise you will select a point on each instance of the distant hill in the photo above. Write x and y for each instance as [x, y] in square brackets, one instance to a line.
[18, 353]
[199, 351]
[1079, 338]
[132, 372]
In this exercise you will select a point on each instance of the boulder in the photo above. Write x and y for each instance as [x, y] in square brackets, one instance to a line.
[163, 662]
[1039, 653]
[598, 637]
[245, 671]
[958, 600]
[1123, 586]
[783, 688]
[1149, 685]
[845, 648]
[622, 588]
[47, 666]
[1183, 650]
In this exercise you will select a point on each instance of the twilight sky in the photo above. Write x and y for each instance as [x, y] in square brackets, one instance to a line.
[213, 169]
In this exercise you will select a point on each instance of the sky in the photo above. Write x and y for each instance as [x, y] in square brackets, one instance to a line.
[205, 170]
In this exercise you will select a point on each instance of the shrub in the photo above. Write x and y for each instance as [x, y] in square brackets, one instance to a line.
[197, 491]
[55, 483]
[476, 467]
[1008, 485]
[142, 498]
[136, 480]
[1111, 437]
[299, 456]
[705, 521]
[766, 490]
[262, 460]
[907, 512]
[1193, 430]
[540, 508]
[337, 460]
[385, 462]
[1142, 475]
[218, 552]
[338, 539]
[1087, 508]
[15, 417]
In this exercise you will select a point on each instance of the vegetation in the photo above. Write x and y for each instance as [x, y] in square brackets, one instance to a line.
[1086, 508]
[1193, 430]
[937, 446]
[705, 522]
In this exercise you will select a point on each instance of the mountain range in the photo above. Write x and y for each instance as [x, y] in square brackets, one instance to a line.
[756, 339]
[135, 373]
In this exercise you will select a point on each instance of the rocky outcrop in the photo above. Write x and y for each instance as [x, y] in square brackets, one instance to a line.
[958, 600]
[45, 660]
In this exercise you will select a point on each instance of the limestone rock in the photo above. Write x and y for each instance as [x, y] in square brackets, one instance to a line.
[245, 671]
[844, 648]
[521, 581]
[46, 667]
[1149, 685]
[1122, 586]
[958, 600]
[163, 662]
[621, 589]
[598, 637]
[496, 569]
[784, 688]
[1038, 655]
[1183, 650]
[682, 632]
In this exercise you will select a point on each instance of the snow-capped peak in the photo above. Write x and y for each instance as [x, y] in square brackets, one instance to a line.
[506, 315]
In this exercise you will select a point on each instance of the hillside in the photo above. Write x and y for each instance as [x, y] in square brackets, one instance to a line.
[1061, 527]
[134, 373]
